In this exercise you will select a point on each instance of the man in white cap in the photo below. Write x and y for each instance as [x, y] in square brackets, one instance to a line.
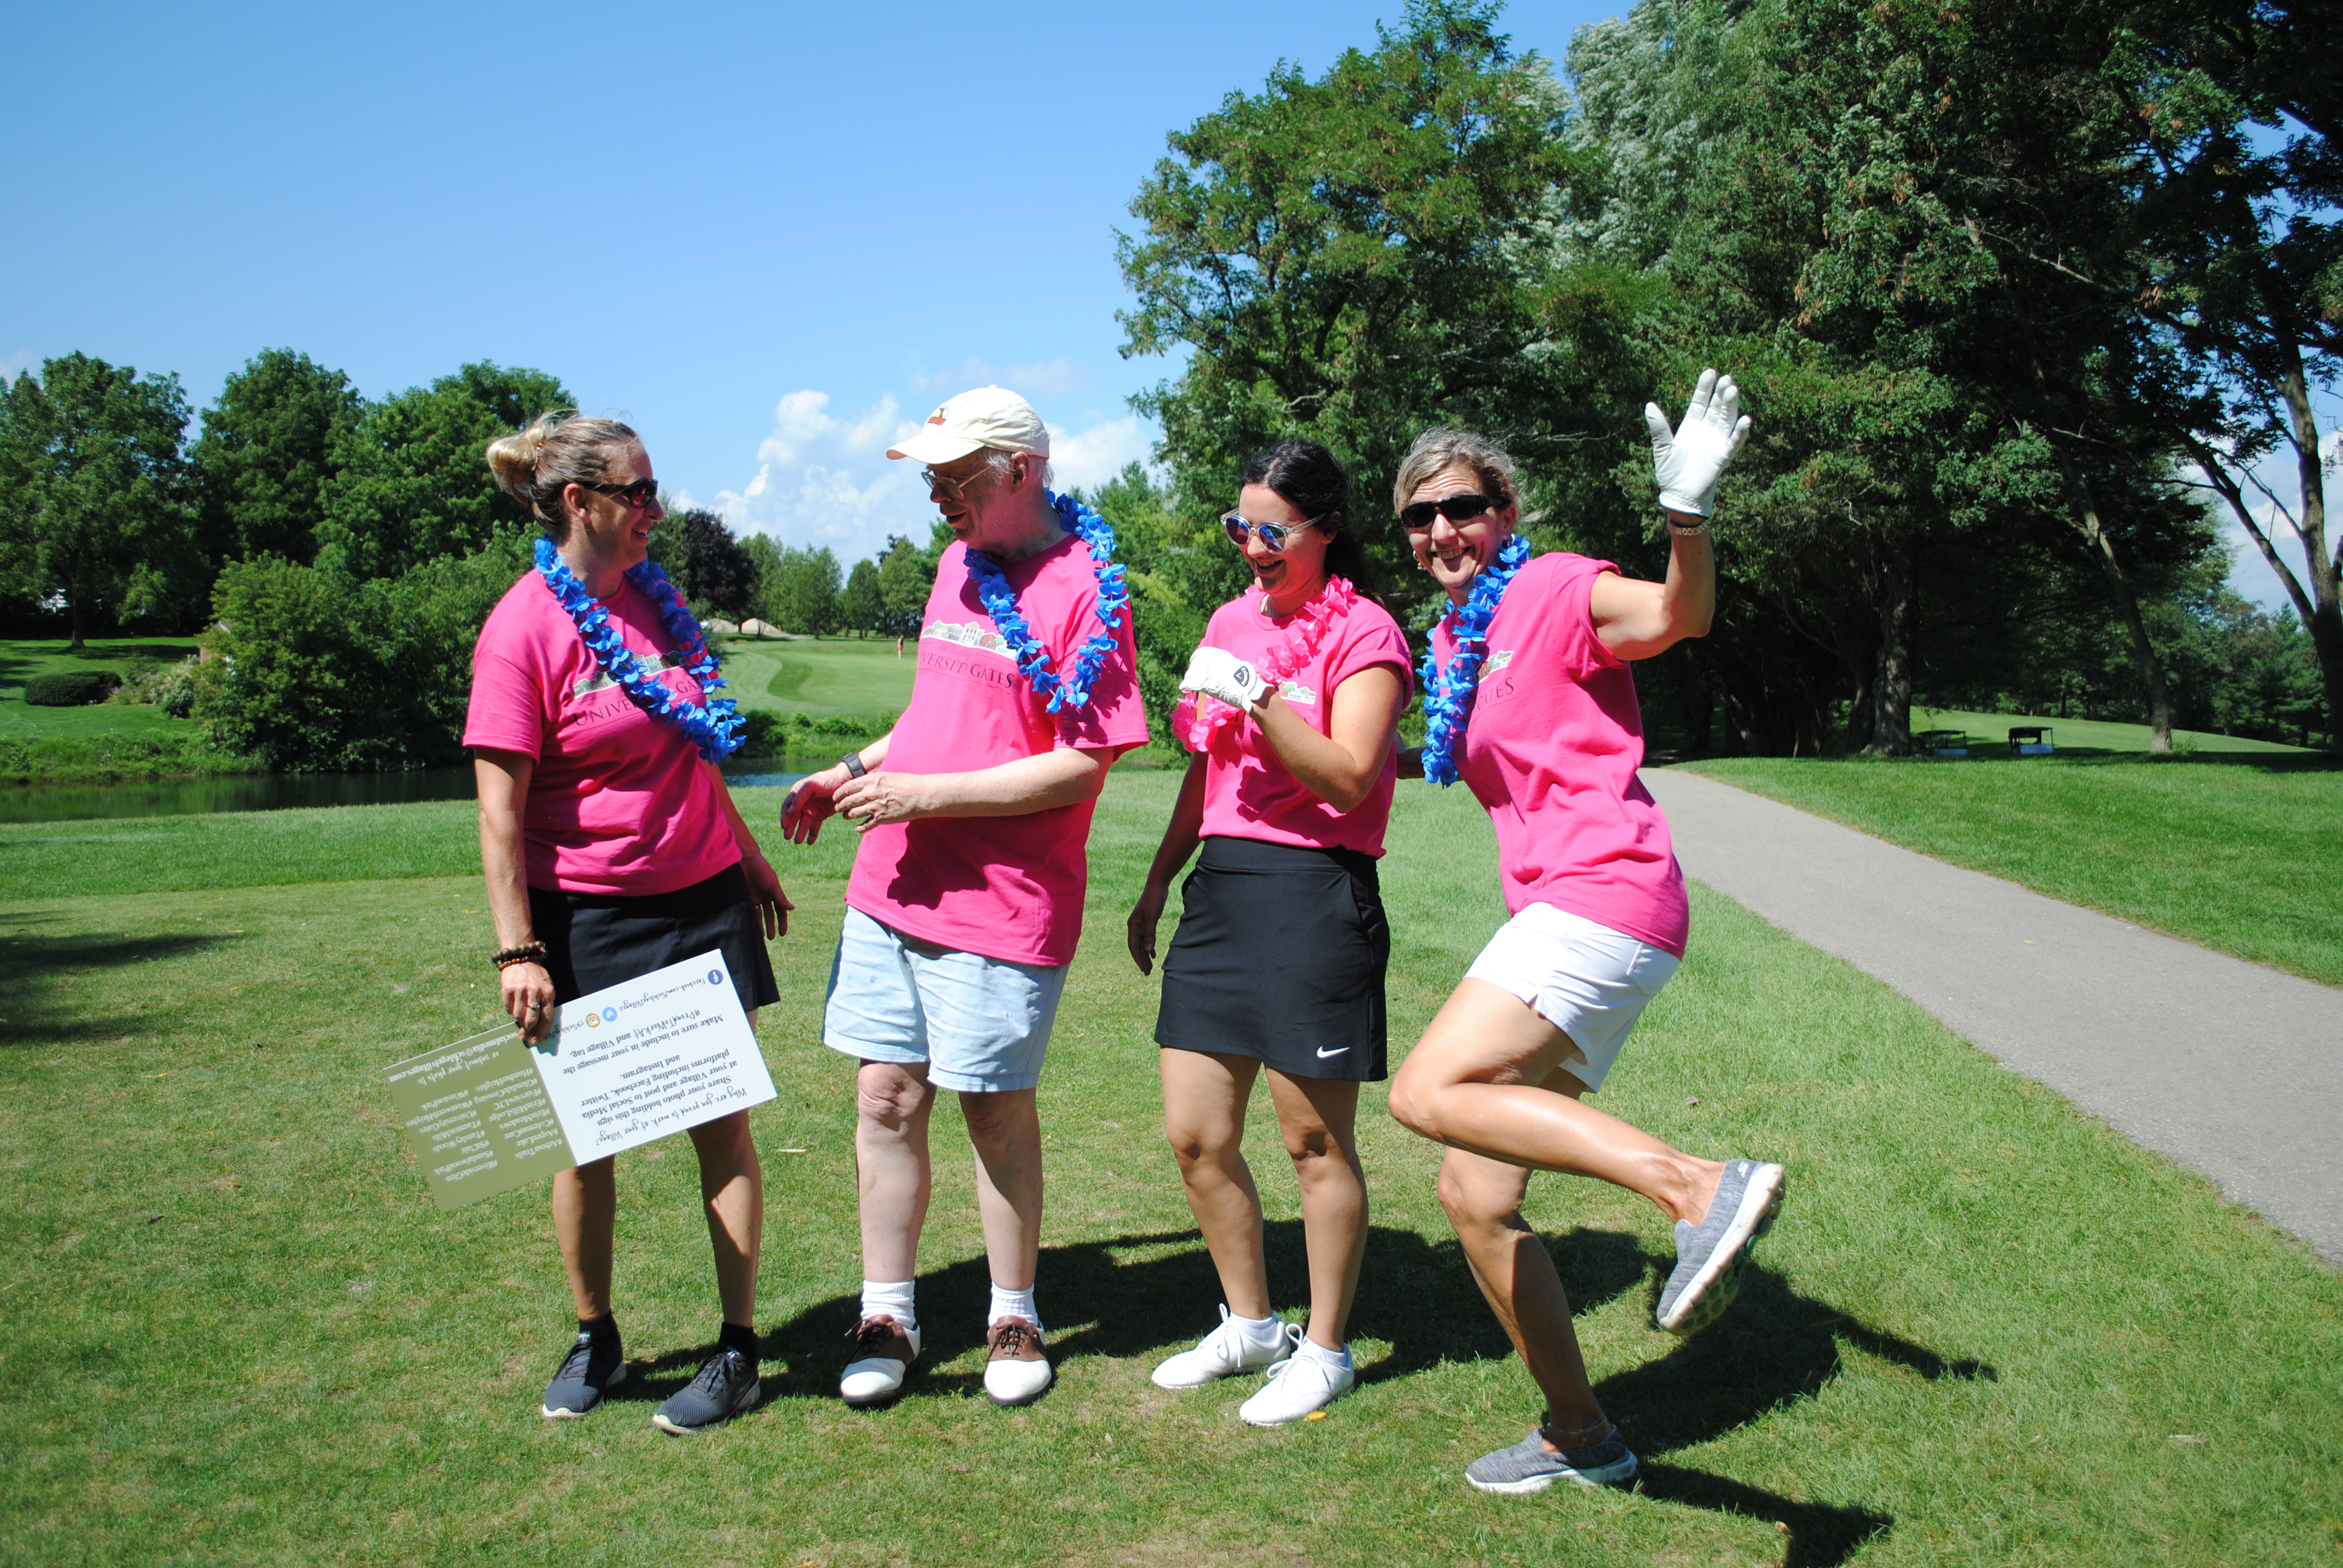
[966, 899]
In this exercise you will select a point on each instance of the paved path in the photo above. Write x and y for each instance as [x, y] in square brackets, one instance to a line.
[2231, 1068]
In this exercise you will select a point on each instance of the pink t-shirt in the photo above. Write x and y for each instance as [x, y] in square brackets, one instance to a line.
[620, 801]
[1248, 792]
[1552, 749]
[1005, 886]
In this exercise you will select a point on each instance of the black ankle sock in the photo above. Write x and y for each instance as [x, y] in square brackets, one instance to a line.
[604, 1327]
[738, 1337]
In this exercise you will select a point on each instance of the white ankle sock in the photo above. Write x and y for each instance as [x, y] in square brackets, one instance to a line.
[881, 1299]
[1263, 1331]
[1317, 1352]
[1013, 1304]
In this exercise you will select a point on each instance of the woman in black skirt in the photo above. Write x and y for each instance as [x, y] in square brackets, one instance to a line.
[1279, 958]
[612, 848]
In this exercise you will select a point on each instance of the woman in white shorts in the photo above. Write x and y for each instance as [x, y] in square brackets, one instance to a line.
[1528, 699]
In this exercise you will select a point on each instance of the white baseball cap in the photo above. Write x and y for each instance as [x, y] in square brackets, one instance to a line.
[986, 416]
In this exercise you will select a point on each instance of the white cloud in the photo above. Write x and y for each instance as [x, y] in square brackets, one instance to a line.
[824, 480]
[1092, 457]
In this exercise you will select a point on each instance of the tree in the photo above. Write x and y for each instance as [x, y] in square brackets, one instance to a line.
[906, 575]
[2237, 103]
[413, 484]
[1339, 256]
[697, 549]
[98, 493]
[860, 605]
[266, 454]
[801, 594]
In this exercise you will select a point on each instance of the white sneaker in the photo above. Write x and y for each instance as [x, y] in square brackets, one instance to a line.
[885, 1350]
[1225, 1352]
[1297, 1385]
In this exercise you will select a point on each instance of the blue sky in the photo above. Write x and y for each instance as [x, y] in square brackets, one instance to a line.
[767, 236]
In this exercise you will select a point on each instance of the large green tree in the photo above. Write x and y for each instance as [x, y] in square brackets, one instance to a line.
[1337, 253]
[860, 603]
[412, 484]
[266, 454]
[97, 492]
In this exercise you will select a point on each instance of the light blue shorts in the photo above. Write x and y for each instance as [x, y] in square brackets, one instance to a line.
[980, 1024]
[1587, 980]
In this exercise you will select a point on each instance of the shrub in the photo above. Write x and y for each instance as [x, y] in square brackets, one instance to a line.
[71, 688]
[169, 687]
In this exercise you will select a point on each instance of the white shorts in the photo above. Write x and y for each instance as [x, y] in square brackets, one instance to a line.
[1587, 980]
[981, 1025]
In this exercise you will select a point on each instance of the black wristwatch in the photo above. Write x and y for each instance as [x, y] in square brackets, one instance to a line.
[852, 763]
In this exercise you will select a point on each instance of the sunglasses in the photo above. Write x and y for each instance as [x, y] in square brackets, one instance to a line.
[1273, 535]
[638, 494]
[1418, 518]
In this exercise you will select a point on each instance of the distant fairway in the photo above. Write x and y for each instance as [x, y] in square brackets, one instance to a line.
[840, 677]
[1990, 731]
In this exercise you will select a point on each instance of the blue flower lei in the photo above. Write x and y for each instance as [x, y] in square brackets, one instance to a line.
[1448, 697]
[715, 727]
[1072, 690]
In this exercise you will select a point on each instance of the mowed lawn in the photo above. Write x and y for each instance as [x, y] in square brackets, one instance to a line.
[829, 677]
[1989, 1329]
[1989, 732]
[2242, 854]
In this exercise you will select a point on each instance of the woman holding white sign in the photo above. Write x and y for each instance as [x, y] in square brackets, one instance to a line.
[612, 848]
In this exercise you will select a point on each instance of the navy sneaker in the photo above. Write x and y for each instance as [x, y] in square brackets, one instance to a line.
[1712, 1255]
[1530, 1467]
[727, 1385]
[593, 1367]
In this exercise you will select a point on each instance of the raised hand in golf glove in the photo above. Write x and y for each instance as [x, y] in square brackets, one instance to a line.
[1689, 460]
[1217, 672]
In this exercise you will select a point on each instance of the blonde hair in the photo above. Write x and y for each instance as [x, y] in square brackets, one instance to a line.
[560, 448]
[1439, 449]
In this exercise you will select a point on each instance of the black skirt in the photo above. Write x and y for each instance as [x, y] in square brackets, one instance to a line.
[596, 939]
[1279, 956]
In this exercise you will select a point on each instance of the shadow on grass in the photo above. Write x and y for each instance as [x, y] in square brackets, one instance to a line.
[37, 978]
[1774, 1348]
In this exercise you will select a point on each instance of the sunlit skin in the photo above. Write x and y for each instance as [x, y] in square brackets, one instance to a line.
[1487, 1079]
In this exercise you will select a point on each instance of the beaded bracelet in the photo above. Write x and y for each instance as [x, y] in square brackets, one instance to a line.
[530, 952]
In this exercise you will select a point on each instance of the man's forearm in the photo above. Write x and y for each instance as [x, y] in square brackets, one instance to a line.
[1066, 777]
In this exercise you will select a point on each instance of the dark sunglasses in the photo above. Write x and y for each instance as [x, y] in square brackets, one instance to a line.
[636, 495]
[1416, 519]
[1273, 535]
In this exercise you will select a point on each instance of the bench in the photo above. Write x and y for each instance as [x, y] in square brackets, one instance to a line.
[2030, 740]
[1941, 743]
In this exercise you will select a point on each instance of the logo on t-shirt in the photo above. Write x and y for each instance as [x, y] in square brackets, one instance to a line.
[1294, 692]
[977, 634]
[1497, 661]
[598, 681]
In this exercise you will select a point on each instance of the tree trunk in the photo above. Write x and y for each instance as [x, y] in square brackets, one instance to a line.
[1891, 727]
[2317, 605]
[73, 614]
[2326, 617]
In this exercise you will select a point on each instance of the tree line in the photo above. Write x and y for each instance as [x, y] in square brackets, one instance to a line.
[339, 554]
[2026, 294]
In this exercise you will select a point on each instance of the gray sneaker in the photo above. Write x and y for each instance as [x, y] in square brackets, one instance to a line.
[1710, 1256]
[727, 1385]
[592, 1368]
[1528, 1466]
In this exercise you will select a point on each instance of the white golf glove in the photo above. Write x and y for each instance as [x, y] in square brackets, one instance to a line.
[1689, 460]
[1217, 672]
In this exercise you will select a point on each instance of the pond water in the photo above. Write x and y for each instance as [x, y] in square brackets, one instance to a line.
[280, 791]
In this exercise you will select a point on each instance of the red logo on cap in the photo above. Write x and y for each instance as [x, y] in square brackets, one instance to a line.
[937, 417]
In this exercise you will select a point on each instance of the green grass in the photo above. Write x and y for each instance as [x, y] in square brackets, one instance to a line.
[2240, 854]
[1991, 732]
[239, 1331]
[22, 658]
[832, 678]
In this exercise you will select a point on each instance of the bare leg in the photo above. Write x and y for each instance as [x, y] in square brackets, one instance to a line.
[1006, 1129]
[732, 1188]
[1205, 1100]
[1319, 1117]
[1482, 1198]
[892, 1104]
[584, 1223]
[1480, 1083]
